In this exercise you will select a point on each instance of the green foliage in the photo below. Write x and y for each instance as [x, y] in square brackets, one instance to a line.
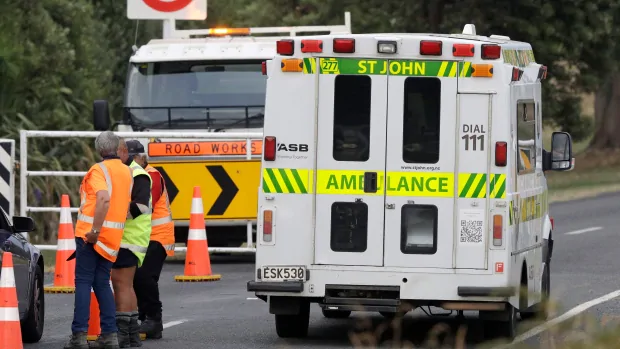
[57, 56]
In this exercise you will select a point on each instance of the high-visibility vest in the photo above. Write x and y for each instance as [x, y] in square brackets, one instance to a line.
[119, 182]
[162, 226]
[138, 230]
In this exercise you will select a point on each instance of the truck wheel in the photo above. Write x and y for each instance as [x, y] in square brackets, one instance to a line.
[294, 326]
[506, 328]
[336, 314]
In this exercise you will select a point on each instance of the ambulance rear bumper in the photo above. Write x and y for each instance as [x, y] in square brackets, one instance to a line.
[441, 285]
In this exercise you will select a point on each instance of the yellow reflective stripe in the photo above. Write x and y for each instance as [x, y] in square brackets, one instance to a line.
[108, 224]
[112, 252]
[465, 69]
[287, 181]
[420, 184]
[161, 221]
[106, 174]
[134, 248]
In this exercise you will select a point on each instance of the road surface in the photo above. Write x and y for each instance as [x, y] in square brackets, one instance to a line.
[223, 315]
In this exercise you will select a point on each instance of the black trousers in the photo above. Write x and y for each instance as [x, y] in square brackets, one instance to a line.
[145, 282]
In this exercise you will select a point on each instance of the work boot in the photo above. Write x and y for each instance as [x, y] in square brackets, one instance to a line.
[134, 331]
[152, 327]
[122, 322]
[77, 341]
[106, 341]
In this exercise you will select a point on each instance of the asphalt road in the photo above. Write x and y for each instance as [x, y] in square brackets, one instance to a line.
[222, 314]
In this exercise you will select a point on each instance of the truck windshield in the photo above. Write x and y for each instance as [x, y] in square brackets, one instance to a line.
[195, 94]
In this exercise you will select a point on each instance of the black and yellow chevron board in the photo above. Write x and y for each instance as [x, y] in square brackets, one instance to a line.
[287, 181]
[473, 185]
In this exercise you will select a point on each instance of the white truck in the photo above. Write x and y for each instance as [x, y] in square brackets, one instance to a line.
[210, 80]
[405, 170]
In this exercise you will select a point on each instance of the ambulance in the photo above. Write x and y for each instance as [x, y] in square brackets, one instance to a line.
[208, 80]
[403, 171]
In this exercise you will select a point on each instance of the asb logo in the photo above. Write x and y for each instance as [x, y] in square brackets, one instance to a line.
[167, 9]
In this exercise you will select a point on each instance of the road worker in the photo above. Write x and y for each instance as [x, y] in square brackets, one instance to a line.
[105, 197]
[161, 246]
[133, 248]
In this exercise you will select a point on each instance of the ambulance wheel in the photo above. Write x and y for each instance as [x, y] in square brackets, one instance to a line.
[336, 314]
[504, 328]
[294, 326]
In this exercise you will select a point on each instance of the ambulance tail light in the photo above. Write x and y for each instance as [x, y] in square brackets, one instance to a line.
[285, 47]
[270, 149]
[344, 45]
[551, 219]
[491, 51]
[463, 50]
[498, 229]
[501, 154]
[315, 46]
[516, 74]
[431, 48]
[267, 226]
[264, 67]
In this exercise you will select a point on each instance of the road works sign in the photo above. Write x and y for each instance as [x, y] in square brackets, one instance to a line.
[229, 188]
[167, 9]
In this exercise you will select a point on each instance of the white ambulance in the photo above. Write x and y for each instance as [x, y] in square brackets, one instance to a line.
[405, 170]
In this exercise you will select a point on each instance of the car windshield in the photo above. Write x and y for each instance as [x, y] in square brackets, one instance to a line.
[196, 94]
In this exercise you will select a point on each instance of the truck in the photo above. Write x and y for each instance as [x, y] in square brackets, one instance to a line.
[403, 171]
[211, 80]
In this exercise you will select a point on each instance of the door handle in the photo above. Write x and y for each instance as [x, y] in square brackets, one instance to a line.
[7, 245]
[370, 182]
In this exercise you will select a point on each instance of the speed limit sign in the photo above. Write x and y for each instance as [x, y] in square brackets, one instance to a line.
[167, 9]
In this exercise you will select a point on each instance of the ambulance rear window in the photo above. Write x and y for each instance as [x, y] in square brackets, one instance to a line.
[352, 118]
[421, 120]
[349, 227]
[418, 228]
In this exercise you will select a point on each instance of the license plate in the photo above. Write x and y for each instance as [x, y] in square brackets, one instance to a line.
[284, 273]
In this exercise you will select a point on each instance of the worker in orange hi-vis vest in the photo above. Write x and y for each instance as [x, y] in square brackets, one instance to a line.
[105, 194]
[160, 246]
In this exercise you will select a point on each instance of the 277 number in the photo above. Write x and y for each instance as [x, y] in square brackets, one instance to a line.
[474, 142]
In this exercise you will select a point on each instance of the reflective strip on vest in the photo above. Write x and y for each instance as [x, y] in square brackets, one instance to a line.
[161, 221]
[134, 248]
[107, 249]
[108, 224]
[169, 247]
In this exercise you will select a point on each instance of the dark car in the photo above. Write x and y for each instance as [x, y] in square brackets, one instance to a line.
[28, 269]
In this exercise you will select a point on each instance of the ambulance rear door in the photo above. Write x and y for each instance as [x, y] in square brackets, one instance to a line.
[350, 165]
[420, 163]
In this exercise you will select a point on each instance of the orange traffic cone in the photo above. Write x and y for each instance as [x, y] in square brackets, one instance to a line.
[10, 330]
[94, 320]
[94, 324]
[64, 275]
[197, 261]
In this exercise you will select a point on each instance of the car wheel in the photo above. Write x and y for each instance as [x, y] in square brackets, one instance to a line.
[32, 326]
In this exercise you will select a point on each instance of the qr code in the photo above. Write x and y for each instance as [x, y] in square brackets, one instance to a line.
[471, 231]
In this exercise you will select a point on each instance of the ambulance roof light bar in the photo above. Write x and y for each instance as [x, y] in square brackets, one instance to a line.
[170, 31]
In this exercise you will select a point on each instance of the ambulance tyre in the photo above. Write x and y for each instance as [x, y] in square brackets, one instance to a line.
[296, 325]
[336, 314]
[503, 328]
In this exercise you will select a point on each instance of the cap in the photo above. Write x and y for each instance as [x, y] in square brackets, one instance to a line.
[134, 147]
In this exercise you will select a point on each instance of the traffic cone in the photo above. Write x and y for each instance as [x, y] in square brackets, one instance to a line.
[64, 275]
[197, 260]
[94, 320]
[10, 330]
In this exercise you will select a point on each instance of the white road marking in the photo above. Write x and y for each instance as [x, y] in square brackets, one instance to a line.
[586, 230]
[569, 314]
[251, 298]
[174, 323]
